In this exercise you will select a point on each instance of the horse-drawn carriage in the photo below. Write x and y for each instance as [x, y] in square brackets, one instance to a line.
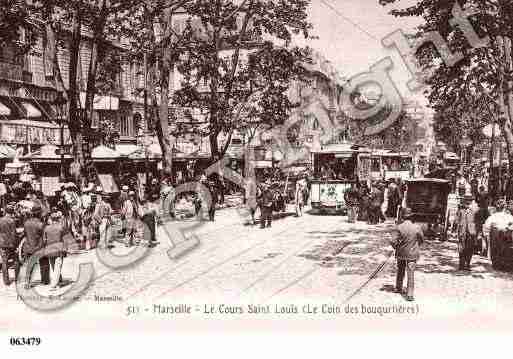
[427, 198]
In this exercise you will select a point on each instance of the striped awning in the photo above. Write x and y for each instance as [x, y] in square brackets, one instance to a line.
[30, 110]
[4, 110]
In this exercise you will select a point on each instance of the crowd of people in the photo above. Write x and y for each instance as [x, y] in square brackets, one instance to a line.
[365, 203]
[72, 219]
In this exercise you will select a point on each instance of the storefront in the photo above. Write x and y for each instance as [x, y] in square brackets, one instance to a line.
[46, 164]
[28, 118]
[106, 162]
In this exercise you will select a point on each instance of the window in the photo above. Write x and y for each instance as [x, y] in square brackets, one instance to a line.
[125, 128]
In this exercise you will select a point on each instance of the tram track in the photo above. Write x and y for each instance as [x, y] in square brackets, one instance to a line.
[231, 258]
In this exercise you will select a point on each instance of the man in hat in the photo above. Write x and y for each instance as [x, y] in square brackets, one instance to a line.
[129, 213]
[148, 215]
[352, 199]
[214, 198]
[467, 234]
[266, 202]
[55, 247]
[8, 244]
[34, 242]
[462, 184]
[102, 217]
[406, 240]
[86, 214]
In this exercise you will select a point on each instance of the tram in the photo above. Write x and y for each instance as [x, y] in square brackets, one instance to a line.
[336, 167]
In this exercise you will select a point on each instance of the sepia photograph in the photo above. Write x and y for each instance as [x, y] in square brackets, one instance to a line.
[241, 165]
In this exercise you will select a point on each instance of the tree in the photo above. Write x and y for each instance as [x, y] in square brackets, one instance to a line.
[401, 136]
[225, 62]
[158, 51]
[451, 126]
[481, 82]
[62, 24]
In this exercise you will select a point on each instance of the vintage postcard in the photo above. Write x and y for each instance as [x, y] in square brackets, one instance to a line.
[241, 165]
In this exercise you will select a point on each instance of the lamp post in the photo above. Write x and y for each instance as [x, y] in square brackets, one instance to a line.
[60, 106]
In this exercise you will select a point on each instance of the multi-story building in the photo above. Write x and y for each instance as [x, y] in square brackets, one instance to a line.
[28, 114]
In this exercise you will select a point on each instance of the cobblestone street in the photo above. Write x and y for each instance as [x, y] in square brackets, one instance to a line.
[319, 259]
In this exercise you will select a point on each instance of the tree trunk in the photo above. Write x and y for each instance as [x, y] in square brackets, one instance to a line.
[96, 57]
[75, 120]
[506, 107]
[162, 125]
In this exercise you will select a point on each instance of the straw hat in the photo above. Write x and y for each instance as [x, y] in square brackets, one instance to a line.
[56, 216]
[407, 213]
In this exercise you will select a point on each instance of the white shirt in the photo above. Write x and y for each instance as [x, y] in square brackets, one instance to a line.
[499, 220]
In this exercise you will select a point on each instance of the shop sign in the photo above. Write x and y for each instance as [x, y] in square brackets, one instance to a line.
[23, 134]
[11, 71]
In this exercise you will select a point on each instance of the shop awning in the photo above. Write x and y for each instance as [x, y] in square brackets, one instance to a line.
[15, 168]
[46, 154]
[104, 153]
[108, 184]
[4, 110]
[126, 150]
[30, 110]
[7, 152]
[101, 103]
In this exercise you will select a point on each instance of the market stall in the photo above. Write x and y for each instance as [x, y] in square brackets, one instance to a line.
[106, 162]
[145, 160]
[46, 164]
[7, 154]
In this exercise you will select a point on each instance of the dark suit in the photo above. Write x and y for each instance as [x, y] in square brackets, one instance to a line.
[375, 206]
[467, 234]
[406, 242]
[33, 243]
[8, 245]
[266, 207]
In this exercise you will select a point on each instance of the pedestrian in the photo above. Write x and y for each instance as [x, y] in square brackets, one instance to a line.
[214, 197]
[406, 241]
[474, 186]
[129, 213]
[3, 192]
[364, 195]
[88, 207]
[9, 244]
[251, 194]
[467, 233]
[266, 203]
[393, 199]
[299, 196]
[381, 215]
[33, 243]
[462, 184]
[221, 185]
[499, 220]
[148, 215]
[352, 199]
[167, 197]
[374, 205]
[102, 217]
[55, 248]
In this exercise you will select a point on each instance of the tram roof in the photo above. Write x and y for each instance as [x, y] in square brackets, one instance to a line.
[390, 153]
[342, 148]
[431, 180]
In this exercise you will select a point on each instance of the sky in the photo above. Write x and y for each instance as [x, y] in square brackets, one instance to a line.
[350, 33]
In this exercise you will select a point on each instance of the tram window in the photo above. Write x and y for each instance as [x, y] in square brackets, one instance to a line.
[375, 165]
